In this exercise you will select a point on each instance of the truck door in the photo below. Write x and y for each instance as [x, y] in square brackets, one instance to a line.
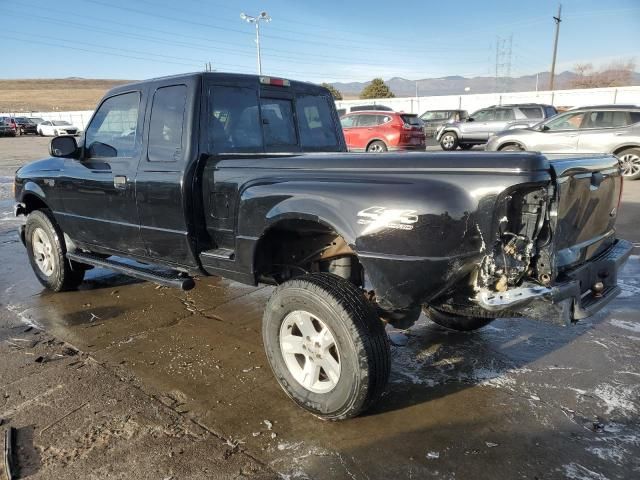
[98, 190]
[163, 196]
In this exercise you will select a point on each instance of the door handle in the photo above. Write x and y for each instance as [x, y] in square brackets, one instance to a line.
[572, 135]
[120, 182]
[621, 133]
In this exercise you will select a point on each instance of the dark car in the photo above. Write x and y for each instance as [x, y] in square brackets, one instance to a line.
[381, 131]
[434, 119]
[26, 125]
[8, 127]
[248, 178]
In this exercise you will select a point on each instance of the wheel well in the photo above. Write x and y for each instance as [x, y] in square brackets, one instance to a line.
[33, 202]
[295, 247]
[507, 144]
[626, 147]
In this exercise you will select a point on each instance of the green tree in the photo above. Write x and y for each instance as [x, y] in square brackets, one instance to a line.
[377, 89]
[337, 95]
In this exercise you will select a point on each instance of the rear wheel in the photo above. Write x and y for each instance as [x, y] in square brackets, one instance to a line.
[377, 147]
[45, 247]
[630, 162]
[449, 141]
[453, 321]
[326, 345]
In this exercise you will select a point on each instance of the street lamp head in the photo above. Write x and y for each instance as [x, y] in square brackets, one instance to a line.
[243, 16]
[264, 16]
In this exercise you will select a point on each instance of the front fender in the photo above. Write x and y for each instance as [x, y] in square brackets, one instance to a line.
[31, 188]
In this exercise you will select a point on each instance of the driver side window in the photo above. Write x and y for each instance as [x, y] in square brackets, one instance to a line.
[113, 130]
[484, 115]
[568, 121]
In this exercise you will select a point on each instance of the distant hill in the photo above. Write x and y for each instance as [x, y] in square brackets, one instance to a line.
[455, 85]
[33, 95]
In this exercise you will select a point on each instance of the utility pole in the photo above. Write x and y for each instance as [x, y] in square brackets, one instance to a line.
[557, 19]
[256, 20]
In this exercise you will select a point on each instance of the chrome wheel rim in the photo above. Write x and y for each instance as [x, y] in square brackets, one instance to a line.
[630, 164]
[310, 351]
[376, 148]
[42, 251]
[448, 141]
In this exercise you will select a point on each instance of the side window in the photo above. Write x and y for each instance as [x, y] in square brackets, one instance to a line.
[502, 114]
[382, 119]
[610, 119]
[550, 111]
[367, 120]
[234, 120]
[348, 122]
[113, 130]
[315, 122]
[532, 112]
[634, 117]
[166, 125]
[484, 115]
[277, 122]
[568, 121]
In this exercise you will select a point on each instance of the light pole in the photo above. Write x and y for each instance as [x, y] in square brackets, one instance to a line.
[256, 20]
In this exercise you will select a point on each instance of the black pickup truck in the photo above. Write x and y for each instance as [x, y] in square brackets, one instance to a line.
[248, 178]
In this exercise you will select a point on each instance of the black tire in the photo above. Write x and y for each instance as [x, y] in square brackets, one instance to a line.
[452, 321]
[39, 132]
[511, 147]
[360, 341]
[64, 275]
[630, 162]
[377, 147]
[449, 141]
[466, 146]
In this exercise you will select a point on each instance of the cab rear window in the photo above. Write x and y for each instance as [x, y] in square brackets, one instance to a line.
[240, 121]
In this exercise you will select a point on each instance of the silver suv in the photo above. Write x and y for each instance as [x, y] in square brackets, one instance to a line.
[480, 125]
[601, 129]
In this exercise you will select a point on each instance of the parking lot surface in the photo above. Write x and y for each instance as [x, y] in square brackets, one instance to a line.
[517, 399]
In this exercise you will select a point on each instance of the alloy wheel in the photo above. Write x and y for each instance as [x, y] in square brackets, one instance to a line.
[43, 251]
[630, 164]
[310, 351]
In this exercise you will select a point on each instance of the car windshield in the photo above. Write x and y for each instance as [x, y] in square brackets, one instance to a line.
[60, 123]
[411, 119]
[435, 115]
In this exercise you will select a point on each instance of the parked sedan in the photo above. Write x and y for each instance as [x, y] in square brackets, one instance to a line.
[26, 125]
[380, 131]
[602, 129]
[57, 127]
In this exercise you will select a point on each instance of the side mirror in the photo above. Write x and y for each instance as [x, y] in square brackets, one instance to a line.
[64, 146]
[544, 128]
[471, 119]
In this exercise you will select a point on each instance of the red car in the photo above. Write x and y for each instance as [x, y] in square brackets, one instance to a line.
[380, 131]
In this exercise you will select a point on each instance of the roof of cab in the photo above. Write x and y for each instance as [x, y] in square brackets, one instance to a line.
[207, 75]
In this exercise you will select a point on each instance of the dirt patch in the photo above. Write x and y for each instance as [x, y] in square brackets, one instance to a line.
[53, 94]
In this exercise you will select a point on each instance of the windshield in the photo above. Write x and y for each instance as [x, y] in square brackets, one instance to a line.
[60, 123]
[435, 115]
[411, 120]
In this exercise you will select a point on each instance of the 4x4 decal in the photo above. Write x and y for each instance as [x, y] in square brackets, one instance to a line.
[377, 218]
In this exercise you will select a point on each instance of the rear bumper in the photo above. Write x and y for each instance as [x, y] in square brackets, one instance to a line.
[573, 297]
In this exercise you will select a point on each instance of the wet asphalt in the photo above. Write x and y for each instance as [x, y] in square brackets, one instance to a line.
[517, 399]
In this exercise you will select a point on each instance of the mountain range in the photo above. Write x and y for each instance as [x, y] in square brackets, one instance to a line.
[456, 85]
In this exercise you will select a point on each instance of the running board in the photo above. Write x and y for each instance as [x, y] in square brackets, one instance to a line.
[167, 278]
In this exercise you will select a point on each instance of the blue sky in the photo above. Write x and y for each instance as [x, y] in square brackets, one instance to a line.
[329, 40]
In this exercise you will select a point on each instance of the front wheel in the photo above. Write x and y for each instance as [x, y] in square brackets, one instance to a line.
[630, 162]
[44, 242]
[326, 345]
[452, 321]
[449, 141]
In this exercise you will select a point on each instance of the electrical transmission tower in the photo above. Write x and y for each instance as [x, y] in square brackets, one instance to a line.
[503, 63]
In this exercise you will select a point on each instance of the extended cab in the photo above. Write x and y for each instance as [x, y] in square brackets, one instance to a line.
[248, 177]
